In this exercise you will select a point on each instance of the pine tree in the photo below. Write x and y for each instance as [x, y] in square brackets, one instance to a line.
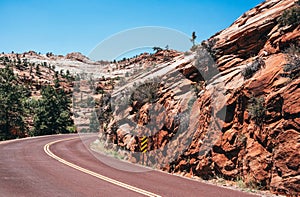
[193, 38]
[53, 113]
[12, 111]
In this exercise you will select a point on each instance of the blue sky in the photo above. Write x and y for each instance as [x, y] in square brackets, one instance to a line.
[63, 26]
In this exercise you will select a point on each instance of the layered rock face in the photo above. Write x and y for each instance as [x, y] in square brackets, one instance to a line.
[230, 108]
[264, 152]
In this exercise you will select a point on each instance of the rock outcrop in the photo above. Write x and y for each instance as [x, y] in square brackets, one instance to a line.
[229, 109]
[264, 154]
[78, 57]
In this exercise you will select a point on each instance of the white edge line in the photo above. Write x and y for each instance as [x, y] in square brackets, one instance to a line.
[86, 171]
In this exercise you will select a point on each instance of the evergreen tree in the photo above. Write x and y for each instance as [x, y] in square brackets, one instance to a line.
[56, 83]
[53, 113]
[193, 38]
[38, 71]
[94, 123]
[12, 112]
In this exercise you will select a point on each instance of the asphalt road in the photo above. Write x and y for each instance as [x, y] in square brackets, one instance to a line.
[62, 165]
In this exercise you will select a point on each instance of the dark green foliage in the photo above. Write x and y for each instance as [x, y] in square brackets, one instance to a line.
[49, 54]
[99, 91]
[76, 86]
[68, 76]
[146, 92]
[292, 68]
[90, 101]
[30, 70]
[11, 103]
[38, 71]
[104, 111]
[257, 109]
[94, 123]
[56, 83]
[56, 74]
[293, 49]
[77, 77]
[252, 68]
[209, 45]
[83, 130]
[157, 49]
[72, 129]
[290, 16]
[53, 113]
[193, 38]
[198, 87]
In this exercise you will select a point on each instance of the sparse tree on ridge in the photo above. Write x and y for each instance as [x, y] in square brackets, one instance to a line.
[193, 38]
[157, 49]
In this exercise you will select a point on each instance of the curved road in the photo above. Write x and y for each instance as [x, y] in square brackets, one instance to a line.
[61, 165]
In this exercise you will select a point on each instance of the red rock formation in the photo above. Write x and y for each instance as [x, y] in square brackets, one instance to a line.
[258, 140]
[264, 155]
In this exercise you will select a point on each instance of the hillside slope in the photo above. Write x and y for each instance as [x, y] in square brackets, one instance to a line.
[35, 99]
[229, 108]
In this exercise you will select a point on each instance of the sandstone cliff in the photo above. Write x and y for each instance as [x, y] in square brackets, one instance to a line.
[229, 108]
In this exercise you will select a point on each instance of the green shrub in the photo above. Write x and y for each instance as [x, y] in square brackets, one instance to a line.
[198, 87]
[257, 109]
[209, 45]
[292, 68]
[240, 182]
[290, 17]
[146, 92]
[293, 49]
[241, 139]
[187, 53]
[84, 130]
[94, 123]
[37, 70]
[72, 129]
[252, 68]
